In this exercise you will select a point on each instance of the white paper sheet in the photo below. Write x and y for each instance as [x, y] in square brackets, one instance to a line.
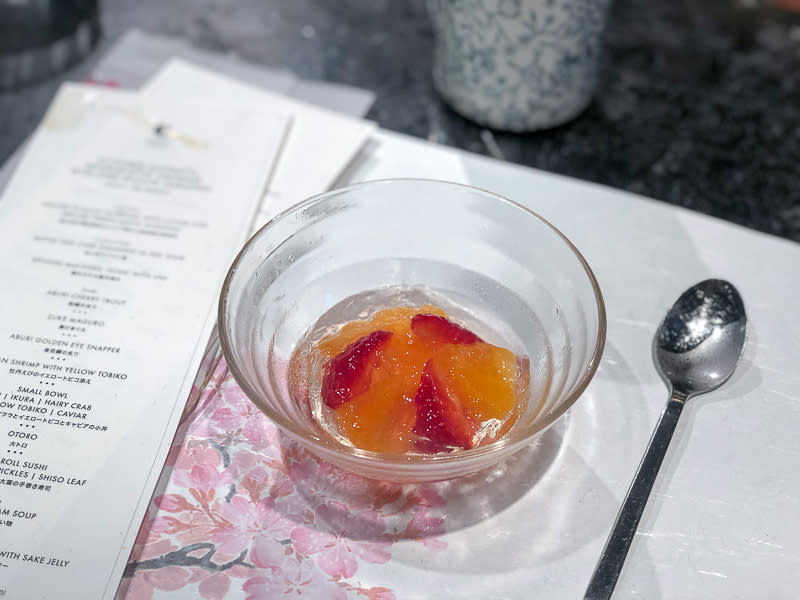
[114, 236]
[320, 145]
[138, 55]
[722, 519]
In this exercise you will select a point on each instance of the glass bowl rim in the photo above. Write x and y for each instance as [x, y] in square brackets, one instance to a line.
[330, 445]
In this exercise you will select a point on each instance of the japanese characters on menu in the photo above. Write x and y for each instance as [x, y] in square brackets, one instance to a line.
[115, 234]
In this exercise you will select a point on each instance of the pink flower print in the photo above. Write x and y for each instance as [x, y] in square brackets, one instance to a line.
[135, 588]
[305, 582]
[228, 419]
[424, 524]
[244, 462]
[214, 587]
[354, 490]
[144, 583]
[426, 496]
[203, 425]
[156, 549]
[242, 521]
[376, 593]
[146, 533]
[348, 538]
[300, 465]
[272, 435]
[259, 431]
[384, 494]
[247, 461]
[425, 527]
[173, 503]
[234, 397]
[276, 526]
[268, 552]
[189, 528]
[282, 486]
[192, 517]
[288, 577]
[291, 507]
[195, 453]
[168, 578]
[318, 481]
[254, 483]
[201, 477]
[225, 413]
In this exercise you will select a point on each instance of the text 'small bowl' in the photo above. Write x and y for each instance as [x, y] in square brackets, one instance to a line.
[508, 273]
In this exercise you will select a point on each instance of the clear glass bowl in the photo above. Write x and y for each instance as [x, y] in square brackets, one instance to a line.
[507, 273]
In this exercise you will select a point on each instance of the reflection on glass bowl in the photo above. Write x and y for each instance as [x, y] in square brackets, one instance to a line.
[498, 267]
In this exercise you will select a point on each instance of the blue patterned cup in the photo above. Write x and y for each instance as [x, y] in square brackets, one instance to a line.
[517, 65]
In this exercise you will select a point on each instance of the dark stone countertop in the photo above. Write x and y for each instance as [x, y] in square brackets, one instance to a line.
[698, 103]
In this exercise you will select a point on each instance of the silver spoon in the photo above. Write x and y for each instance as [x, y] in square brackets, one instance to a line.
[696, 349]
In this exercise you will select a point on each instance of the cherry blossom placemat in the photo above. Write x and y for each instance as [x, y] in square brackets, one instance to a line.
[243, 512]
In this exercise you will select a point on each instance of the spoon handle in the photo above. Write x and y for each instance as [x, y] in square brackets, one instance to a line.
[619, 541]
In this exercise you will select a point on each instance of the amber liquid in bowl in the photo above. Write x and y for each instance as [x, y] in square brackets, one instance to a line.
[407, 371]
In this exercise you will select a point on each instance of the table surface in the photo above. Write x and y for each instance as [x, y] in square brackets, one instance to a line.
[720, 523]
[730, 78]
[696, 104]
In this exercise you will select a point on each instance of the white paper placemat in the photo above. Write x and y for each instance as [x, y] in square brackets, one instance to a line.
[722, 520]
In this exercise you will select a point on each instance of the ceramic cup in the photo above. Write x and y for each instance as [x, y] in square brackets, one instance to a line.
[42, 38]
[517, 65]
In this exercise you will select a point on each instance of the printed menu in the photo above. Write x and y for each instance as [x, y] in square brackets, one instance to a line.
[115, 234]
[306, 166]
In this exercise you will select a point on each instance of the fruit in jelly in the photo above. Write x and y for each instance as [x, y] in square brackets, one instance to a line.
[413, 380]
[347, 374]
[441, 420]
[438, 329]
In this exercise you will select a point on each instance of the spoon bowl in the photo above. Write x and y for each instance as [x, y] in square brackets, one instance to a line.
[699, 342]
[696, 349]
